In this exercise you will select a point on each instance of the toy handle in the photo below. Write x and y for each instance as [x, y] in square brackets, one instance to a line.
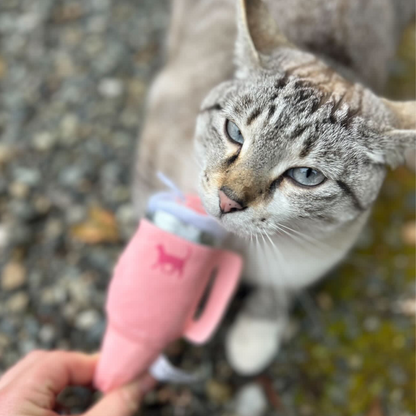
[228, 272]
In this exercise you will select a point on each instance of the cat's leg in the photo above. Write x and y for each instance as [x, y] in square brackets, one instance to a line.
[255, 337]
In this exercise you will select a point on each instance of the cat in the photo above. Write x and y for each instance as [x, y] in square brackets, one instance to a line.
[291, 143]
[169, 263]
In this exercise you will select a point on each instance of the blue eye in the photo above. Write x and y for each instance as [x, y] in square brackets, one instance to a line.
[233, 132]
[306, 176]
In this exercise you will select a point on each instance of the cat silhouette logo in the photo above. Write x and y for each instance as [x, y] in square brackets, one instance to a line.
[170, 264]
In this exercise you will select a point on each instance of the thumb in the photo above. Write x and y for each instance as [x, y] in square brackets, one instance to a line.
[124, 401]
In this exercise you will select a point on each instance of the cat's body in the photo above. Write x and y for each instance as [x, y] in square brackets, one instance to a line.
[295, 109]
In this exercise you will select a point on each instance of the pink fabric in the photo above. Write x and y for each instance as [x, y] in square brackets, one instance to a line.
[156, 288]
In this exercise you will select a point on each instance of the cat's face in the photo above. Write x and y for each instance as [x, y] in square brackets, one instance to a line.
[290, 143]
[288, 153]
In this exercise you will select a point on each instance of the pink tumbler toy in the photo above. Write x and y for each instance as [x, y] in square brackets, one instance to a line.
[158, 284]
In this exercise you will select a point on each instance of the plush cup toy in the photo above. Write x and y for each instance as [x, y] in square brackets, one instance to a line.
[158, 284]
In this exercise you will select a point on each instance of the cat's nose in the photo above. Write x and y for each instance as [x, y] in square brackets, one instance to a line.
[227, 204]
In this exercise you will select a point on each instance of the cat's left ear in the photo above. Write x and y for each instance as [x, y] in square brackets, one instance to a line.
[399, 141]
[258, 37]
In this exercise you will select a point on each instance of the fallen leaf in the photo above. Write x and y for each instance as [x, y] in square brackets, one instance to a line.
[99, 227]
[271, 393]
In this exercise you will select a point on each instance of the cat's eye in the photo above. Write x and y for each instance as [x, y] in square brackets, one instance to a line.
[306, 176]
[233, 132]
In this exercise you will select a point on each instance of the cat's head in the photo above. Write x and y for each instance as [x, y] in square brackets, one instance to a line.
[289, 142]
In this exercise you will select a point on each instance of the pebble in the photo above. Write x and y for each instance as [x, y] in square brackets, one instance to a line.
[6, 153]
[53, 295]
[29, 177]
[18, 303]
[18, 190]
[251, 401]
[69, 128]
[372, 323]
[47, 334]
[4, 236]
[110, 87]
[87, 320]
[409, 233]
[13, 276]
[44, 141]
[218, 392]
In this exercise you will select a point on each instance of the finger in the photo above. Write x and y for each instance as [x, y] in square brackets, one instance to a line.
[124, 401]
[59, 369]
[22, 367]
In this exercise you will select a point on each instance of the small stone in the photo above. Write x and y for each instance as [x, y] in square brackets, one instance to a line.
[53, 295]
[251, 401]
[4, 341]
[4, 236]
[13, 276]
[18, 190]
[69, 311]
[3, 67]
[54, 229]
[110, 87]
[68, 12]
[42, 204]
[355, 362]
[97, 24]
[409, 233]
[44, 141]
[64, 66]
[47, 334]
[6, 153]
[18, 302]
[371, 323]
[26, 346]
[325, 301]
[69, 128]
[218, 392]
[87, 319]
[136, 89]
[406, 307]
[29, 177]
[71, 176]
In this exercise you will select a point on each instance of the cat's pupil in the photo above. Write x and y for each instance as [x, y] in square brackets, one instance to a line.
[306, 176]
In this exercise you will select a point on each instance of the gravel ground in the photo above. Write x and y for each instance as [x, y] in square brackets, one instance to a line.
[73, 78]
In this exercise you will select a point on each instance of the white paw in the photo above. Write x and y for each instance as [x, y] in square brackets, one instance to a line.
[252, 343]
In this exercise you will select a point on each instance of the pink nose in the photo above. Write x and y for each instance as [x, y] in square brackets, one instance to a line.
[227, 204]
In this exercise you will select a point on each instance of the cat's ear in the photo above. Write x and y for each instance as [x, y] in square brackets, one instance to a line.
[398, 142]
[258, 36]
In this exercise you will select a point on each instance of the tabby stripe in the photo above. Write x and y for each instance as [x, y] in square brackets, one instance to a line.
[271, 111]
[216, 107]
[281, 82]
[348, 191]
[254, 114]
[233, 158]
[298, 131]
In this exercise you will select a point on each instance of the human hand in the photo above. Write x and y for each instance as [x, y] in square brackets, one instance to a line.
[30, 387]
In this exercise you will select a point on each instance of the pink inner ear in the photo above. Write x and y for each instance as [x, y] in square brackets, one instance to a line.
[194, 202]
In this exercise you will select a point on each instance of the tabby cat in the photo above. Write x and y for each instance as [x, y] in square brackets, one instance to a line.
[291, 145]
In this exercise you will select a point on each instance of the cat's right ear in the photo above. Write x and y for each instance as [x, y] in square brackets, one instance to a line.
[258, 37]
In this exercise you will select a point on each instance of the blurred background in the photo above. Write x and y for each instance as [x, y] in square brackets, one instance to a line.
[73, 81]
